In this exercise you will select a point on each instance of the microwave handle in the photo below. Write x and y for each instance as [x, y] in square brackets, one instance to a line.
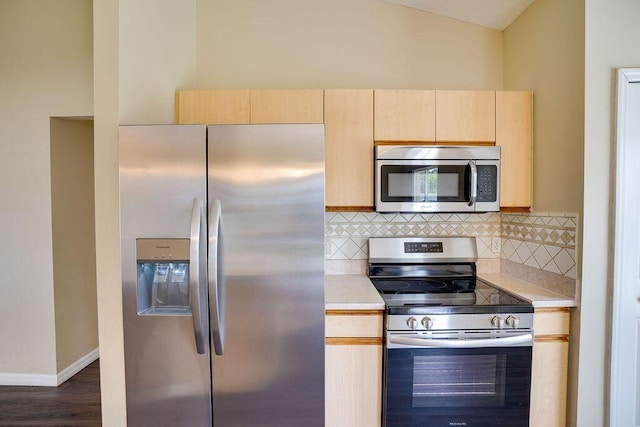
[474, 182]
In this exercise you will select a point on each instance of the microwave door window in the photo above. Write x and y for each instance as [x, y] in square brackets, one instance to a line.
[424, 183]
[421, 184]
[448, 186]
[431, 182]
[443, 184]
[400, 185]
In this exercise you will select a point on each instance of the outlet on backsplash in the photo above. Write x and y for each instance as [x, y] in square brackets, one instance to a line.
[496, 245]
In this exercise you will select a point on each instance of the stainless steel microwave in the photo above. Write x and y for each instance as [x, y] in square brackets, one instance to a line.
[437, 178]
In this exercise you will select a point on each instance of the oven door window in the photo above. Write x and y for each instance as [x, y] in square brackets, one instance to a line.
[463, 380]
[471, 387]
[425, 183]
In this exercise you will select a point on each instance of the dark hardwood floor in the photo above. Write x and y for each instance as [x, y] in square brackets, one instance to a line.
[74, 403]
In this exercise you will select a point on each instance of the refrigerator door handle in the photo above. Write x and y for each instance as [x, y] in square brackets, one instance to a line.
[216, 277]
[197, 276]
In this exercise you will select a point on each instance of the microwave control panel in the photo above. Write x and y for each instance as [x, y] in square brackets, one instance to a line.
[487, 183]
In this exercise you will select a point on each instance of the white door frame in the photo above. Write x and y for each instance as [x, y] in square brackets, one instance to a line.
[625, 325]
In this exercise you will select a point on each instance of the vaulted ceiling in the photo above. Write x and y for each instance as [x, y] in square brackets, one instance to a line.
[496, 14]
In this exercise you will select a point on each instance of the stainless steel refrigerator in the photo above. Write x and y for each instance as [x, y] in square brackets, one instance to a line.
[222, 234]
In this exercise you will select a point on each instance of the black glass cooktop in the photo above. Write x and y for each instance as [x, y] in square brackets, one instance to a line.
[445, 295]
[420, 286]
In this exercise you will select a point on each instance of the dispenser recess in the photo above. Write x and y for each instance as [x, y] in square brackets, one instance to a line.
[163, 277]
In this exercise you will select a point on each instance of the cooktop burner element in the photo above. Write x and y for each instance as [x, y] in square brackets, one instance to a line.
[416, 286]
[435, 275]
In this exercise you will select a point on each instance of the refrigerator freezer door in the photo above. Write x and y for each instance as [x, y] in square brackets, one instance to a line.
[162, 172]
[269, 180]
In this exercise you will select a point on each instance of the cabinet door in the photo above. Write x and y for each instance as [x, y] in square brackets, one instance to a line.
[286, 106]
[550, 368]
[349, 148]
[465, 116]
[405, 115]
[514, 136]
[549, 384]
[353, 385]
[212, 107]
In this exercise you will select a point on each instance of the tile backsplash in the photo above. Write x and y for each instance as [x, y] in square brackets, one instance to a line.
[540, 240]
[541, 246]
[346, 233]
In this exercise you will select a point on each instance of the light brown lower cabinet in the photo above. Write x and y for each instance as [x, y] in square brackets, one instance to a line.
[550, 368]
[353, 368]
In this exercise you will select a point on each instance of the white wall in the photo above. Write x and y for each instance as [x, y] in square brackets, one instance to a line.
[340, 44]
[46, 70]
[144, 50]
[611, 41]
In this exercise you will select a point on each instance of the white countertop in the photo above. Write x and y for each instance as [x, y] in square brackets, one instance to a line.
[356, 292]
[351, 292]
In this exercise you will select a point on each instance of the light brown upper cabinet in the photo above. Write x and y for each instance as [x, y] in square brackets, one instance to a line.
[464, 116]
[405, 115]
[348, 118]
[514, 136]
[213, 107]
[286, 106]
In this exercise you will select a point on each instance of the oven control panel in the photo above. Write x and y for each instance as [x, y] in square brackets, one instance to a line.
[468, 321]
[422, 247]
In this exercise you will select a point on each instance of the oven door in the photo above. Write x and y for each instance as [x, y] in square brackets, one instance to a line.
[445, 382]
[436, 186]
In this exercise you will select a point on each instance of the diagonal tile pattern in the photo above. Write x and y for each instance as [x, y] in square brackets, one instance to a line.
[541, 240]
[545, 241]
[347, 233]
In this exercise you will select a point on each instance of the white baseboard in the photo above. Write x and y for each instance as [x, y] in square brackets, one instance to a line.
[77, 366]
[51, 380]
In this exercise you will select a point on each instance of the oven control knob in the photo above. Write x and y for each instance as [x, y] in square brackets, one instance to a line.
[497, 321]
[513, 321]
[412, 323]
[427, 322]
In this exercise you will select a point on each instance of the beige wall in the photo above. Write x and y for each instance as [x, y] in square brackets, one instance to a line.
[157, 54]
[46, 70]
[340, 44]
[144, 50]
[611, 39]
[106, 90]
[544, 52]
[73, 231]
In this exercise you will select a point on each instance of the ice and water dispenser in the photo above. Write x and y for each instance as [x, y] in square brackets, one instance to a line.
[163, 277]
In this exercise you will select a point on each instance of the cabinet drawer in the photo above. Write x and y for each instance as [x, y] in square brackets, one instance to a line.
[551, 321]
[353, 324]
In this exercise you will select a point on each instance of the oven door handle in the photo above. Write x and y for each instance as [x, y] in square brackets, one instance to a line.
[512, 341]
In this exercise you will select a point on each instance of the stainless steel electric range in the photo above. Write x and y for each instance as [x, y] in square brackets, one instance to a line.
[457, 351]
